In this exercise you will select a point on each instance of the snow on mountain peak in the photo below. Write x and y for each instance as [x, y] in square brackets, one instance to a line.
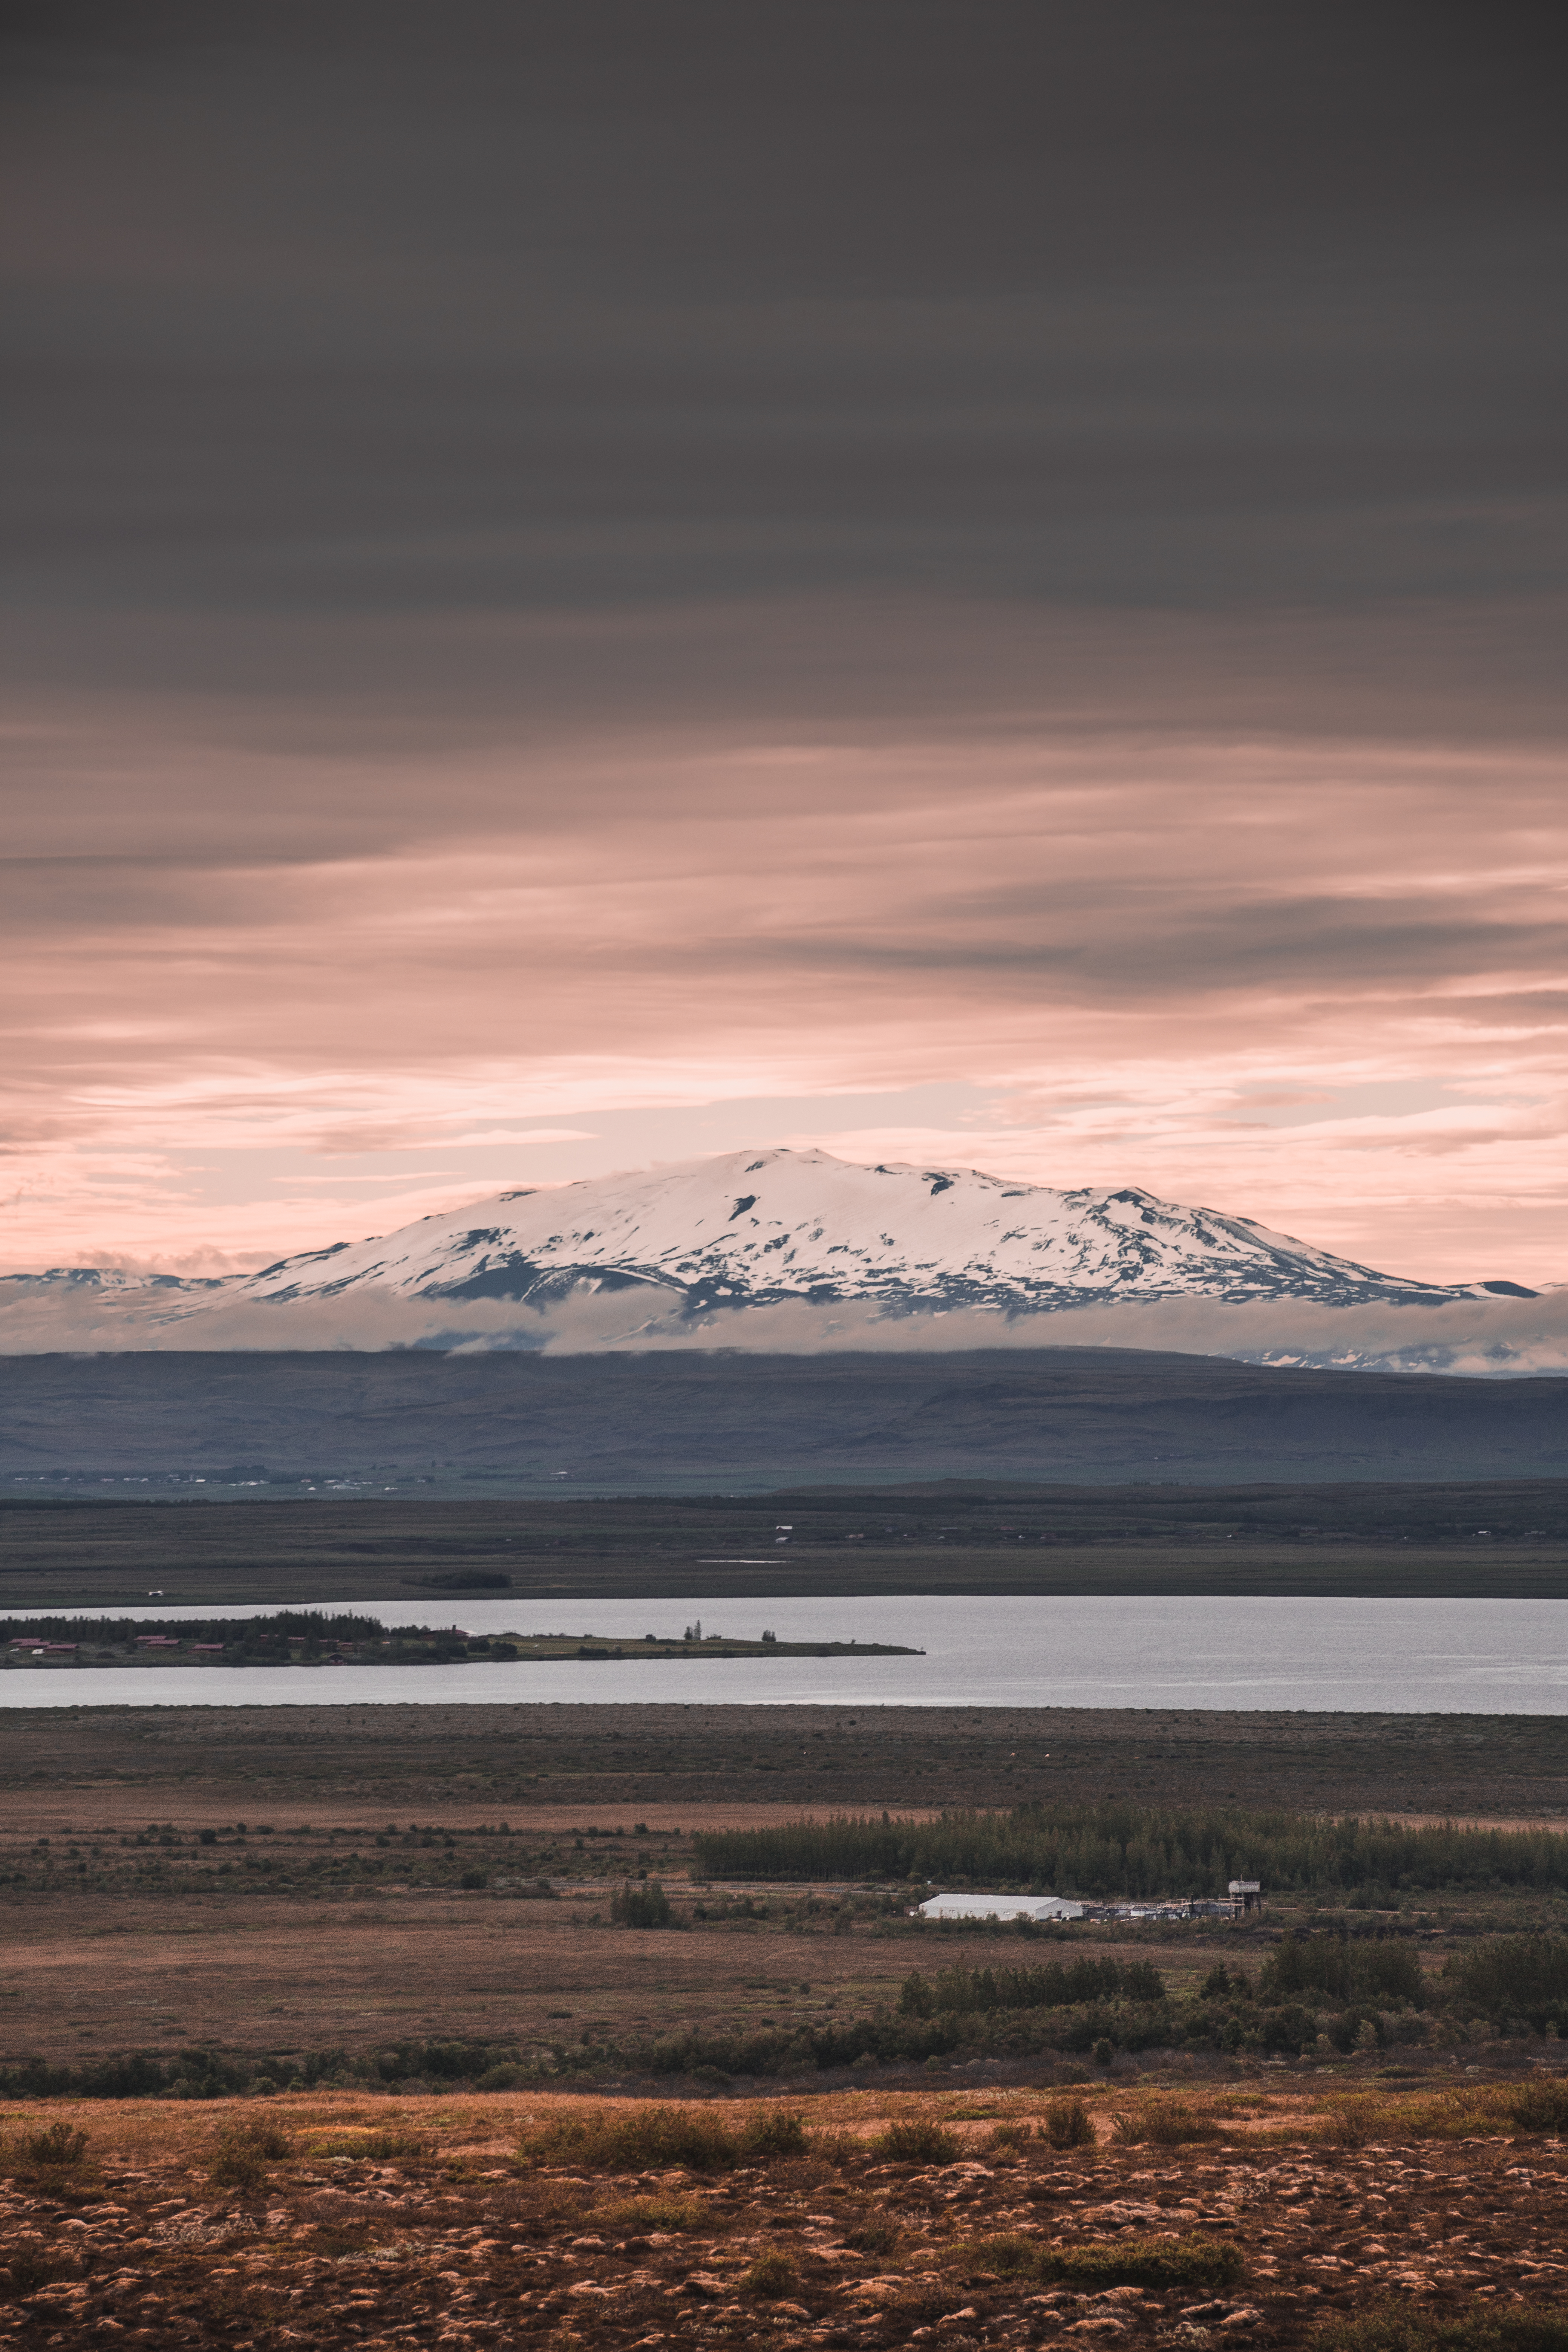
[762, 1227]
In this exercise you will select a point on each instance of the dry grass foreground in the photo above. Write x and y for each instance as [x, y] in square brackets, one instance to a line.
[1381, 2224]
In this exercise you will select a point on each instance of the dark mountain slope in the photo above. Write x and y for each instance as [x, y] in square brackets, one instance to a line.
[690, 1420]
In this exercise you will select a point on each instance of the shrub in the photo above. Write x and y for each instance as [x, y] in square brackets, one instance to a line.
[243, 2152]
[1012, 2135]
[921, 2307]
[1402, 2328]
[381, 2146]
[1009, 2257]
[57, 2149]
[32, 2266]
[1068, 2124]
[771, 2135]
[876, 2236]
[1102, 2052]
[1355, 2123]
[1541, 2106]
[642, 2139]
[1162, 2123]
[917, 2140]
[1192, 2261]
[772, 2277]
[638, 2215]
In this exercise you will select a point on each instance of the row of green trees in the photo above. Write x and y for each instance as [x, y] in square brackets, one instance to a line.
[957, 1991]
[1334, 1967]
[1114, 1850]
[276, 1626]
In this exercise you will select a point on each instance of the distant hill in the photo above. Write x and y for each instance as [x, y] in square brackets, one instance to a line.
[515, 1422]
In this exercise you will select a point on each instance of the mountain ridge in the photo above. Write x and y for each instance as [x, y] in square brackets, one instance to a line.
[780, 1226]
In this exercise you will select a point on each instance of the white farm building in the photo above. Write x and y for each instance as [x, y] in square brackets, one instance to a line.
[1037, 1907]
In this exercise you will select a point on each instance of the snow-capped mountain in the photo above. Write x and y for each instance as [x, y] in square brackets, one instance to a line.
[765, 1227]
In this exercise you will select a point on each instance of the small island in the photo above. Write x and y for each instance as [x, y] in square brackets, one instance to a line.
[301, 1637]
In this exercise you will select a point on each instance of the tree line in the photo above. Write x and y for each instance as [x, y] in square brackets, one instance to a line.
[1108, 1852]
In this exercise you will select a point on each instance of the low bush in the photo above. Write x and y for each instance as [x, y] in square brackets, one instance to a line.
[1162, 2123]
[638, 2216]
[1477, 2111]
[638, 2139]
[923, 2305]
[1191, 2262]
[877, 2236]
[1403, 2327]
[772, 2277]
[28, 2264]
[1540, 2106]
[1068, 2124]
[243, 2152]
[917, 2140]
[372, 2145]
[647, 2139]
[770, 2136]
[1012, 2135]
[56, 2148]
[1006, 2257]
[1356, 2122]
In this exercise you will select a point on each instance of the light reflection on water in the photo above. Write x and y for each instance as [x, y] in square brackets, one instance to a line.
[1477, 1657]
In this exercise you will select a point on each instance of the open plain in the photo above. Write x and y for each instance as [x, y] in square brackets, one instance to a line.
[293, 1923]
[86, 1545]
[1264, 2213]
[294, 1877]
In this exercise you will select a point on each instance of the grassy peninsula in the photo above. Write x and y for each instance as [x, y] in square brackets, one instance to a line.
[301, 1637]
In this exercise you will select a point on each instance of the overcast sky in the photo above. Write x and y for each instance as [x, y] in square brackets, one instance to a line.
[953, 579]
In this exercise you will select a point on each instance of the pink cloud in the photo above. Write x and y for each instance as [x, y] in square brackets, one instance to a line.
[1144, 946]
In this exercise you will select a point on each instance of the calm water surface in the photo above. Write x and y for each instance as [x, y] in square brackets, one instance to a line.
[1476, 1658]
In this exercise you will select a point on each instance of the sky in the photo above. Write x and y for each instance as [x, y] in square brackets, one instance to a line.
[977, 581]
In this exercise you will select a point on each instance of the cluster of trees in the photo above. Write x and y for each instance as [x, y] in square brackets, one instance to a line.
[646, 1905]
[276, 1627]
[272, 1638]
[1336, 1967]
[1112, 1851]
[959, 1990]
[1515, 1976]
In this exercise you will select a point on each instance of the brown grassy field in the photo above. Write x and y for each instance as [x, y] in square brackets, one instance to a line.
[1262, 2216]
[1501, 1537]
[273, 1881]
[585, 1761]
[252, 1878]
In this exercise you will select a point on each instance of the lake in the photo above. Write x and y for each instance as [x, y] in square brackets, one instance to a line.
[1467, 1657]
